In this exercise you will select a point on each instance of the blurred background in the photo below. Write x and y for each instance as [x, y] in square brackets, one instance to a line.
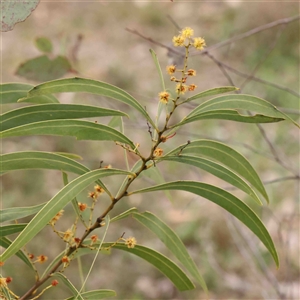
[92, 36]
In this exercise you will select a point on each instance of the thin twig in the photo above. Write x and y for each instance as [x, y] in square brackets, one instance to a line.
[221, 67]
[263, 59]
[273, 150]
[74, 50]
[254, 78]
[280, 179]
[174, 22]
[247, 252]
[253, 31]
[290, 111]
[154, 42]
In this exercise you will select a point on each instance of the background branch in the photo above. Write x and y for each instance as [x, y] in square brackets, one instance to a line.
[253, 31]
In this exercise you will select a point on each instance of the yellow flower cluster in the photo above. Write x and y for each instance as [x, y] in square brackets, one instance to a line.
[98, 190]
[56, 218]
[130, 242]
[68, 235]
[3, 282]
[158, 152]
[41, 259]
[82, 206]
[94, 239]
[178, 41]
[171, 69]
[187, 33]
[199, 43]
[164, 97]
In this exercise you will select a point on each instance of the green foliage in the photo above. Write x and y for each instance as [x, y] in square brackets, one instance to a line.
[11, 229]
[89, 86]
[172, 242]
[5, 243]
[97, 294]
[226, 156]
[162, 263]
[33, 114]
[15, 213]
[82, 130]
[13, 92]
[226, 200]
[217, 170]
[49, 117]
[53, 206]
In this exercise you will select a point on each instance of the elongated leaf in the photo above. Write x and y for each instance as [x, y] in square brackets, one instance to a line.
[155, 174]
[43, 160]
[244, 102]
[11, 229]
[226, 200]
[5, 243]
[12, 92]
[36, 113]
[52, 263]
[80, 252]
[134, 169]
[155, 59]
[96, 294]
[172, 242]
[227, 114]
[62, 278]
[82, 130]
[39, 99]
[105, 229]
[212, 92]
[217, 170]
[116, 122]
[161, 262]
[124, 215]
[226, 156]
[90, 86]
[40, 160]
[74, 201]
[15, 213]
[69, 155]
[53, 206]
